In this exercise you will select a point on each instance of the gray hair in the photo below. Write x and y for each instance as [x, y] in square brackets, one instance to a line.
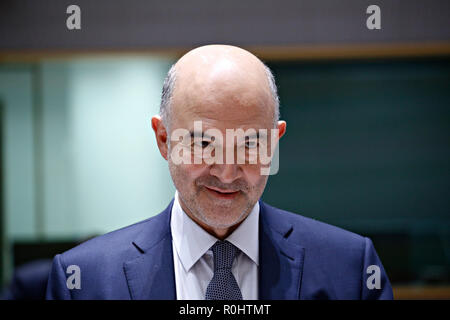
[169, 84]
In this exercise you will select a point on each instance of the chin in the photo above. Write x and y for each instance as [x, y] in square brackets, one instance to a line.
[219, 222]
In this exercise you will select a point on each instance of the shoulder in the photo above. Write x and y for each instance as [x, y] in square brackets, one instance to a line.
[334, 260]
[121, 244]
[310, 232]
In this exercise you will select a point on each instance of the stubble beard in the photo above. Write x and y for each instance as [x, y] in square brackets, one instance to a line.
[195, 209]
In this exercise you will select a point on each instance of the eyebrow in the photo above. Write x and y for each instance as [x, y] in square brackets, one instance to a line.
[207, 136]
[200, 134]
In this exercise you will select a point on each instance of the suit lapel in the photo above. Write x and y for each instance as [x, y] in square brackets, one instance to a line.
[281, 260]
[150, 276]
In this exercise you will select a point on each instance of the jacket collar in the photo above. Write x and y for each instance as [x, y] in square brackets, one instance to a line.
[150, 276]
[281, 259]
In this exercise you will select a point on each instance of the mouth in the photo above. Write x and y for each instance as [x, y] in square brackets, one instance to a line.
[221, 193]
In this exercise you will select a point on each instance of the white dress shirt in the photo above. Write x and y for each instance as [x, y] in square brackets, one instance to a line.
[193, 257]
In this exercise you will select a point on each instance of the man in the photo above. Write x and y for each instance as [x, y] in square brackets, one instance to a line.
[216, 240]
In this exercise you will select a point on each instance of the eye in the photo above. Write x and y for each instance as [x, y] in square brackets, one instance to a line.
[251, 144]
[202, 143]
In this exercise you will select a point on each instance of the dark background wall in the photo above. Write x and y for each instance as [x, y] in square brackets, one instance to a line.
[138, 24]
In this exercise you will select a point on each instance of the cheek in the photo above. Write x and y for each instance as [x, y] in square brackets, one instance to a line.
[186, 174]
[253, 176]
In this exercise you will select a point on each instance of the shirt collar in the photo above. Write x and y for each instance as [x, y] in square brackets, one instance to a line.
[246, 236]
[192, 241]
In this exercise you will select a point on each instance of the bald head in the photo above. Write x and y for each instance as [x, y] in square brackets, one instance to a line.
[216, 75]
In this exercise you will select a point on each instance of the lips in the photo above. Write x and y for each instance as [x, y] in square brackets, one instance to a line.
[222, 193]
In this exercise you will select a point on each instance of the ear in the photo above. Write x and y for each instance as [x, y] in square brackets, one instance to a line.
[161, 135]
[281, 126]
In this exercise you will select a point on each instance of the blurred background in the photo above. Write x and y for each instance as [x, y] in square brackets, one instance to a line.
[368, 113]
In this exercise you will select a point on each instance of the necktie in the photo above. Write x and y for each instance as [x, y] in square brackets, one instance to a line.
[223, 285]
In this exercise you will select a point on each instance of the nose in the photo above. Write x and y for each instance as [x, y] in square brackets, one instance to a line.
[226, 173]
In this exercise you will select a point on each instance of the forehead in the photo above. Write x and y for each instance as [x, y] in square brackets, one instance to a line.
[234, 112]
[227, 99]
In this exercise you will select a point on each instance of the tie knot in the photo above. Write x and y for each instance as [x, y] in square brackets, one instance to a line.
[224, 253]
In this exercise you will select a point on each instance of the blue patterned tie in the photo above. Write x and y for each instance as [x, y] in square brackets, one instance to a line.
[223, 285]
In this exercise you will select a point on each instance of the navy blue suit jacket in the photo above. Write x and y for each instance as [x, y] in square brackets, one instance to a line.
[300, 258]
